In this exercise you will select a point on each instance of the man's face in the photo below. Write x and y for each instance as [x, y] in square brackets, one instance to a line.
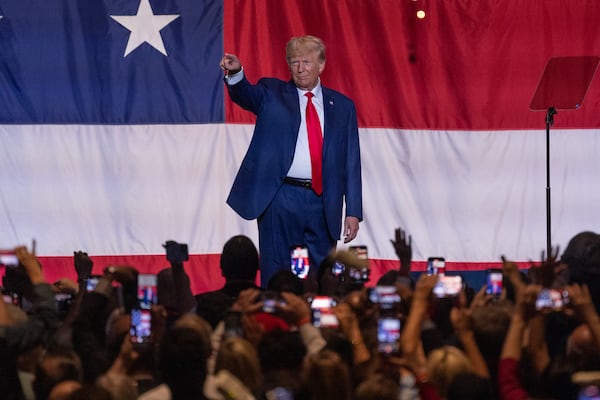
[305, 69]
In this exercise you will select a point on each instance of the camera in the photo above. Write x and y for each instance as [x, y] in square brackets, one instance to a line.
[177, 253]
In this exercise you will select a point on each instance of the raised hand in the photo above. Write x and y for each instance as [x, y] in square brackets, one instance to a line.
[295, 310]
[31, 264]
[403, 247]
[546, 273]
[230, 64]
[83, 265]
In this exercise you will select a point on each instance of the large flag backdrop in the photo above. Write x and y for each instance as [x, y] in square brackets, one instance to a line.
[116, 135]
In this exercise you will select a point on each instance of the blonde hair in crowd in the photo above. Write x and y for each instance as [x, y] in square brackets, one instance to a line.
[239, 357]
[444, 364]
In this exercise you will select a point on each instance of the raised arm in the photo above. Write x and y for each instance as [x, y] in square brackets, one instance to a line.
[462, 322]
[230, 64]
[403, 247]
[581, 302]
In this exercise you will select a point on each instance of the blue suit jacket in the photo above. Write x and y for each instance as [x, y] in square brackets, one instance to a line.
[273, 143]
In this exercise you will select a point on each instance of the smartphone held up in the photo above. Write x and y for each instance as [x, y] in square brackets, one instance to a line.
[177, 253]
[9, 259]
[494, 282]
[300, 263]
[436, 266]
[448, 286]
[322, 312]
[388, 335]
[140, 329]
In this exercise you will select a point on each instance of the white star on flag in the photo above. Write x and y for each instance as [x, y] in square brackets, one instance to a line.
[145, 27]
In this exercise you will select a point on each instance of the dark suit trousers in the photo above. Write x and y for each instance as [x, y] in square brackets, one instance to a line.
[296, 216]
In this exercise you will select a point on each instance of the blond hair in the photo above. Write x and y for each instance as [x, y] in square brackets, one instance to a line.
[239, 357]
[444, 364]
[300, 45]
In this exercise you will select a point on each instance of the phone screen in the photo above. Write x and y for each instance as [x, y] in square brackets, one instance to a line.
[337, 268]
[388, 335]
[270, 301]
[361, 252]
[176, 252]
[589, 392]
[91, 283]
[63, 303]
[141, 325]
[233, 324]
[146, 290]
[8, 258]
[300, 264]
[386, 297]
[448, 286]
[552, 299]
[11, 298]
[494, 282]
[436, 266]
[322, 312]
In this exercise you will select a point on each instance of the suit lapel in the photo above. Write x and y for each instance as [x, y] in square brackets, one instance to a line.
[290, 96]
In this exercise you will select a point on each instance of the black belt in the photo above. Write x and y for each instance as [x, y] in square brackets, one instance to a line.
[305, 183]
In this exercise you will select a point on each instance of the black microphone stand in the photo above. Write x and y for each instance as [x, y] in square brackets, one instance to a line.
[549, 123]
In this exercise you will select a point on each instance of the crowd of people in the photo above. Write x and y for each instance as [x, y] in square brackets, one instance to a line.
[391, 339]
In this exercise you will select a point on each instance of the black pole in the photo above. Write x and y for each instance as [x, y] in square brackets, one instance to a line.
[549, 122]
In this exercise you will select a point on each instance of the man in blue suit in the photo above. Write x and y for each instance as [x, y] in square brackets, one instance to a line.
[297, 200]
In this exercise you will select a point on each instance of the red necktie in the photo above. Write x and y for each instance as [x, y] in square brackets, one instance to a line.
[315, 144]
